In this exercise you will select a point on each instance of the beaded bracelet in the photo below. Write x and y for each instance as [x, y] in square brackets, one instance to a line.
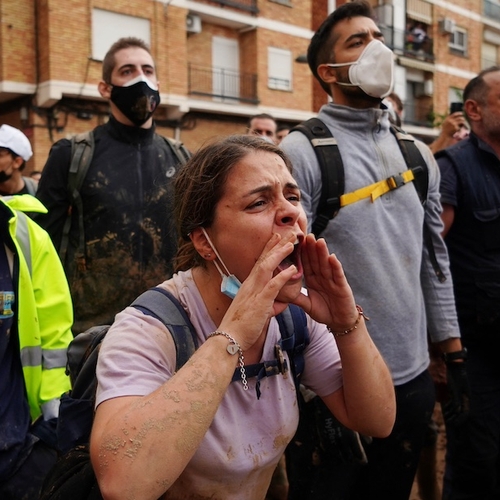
[361, 314]
[232, 349]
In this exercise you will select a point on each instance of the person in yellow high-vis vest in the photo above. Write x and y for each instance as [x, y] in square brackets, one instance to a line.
[35, 329]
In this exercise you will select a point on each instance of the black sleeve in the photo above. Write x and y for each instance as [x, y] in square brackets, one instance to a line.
[449, 181]
[52, 190]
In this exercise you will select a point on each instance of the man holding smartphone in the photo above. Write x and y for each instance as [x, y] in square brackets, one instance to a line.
[453, 129]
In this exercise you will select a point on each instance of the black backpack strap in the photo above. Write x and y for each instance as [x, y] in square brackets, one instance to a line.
[415, 161]
[332, 171]
[162, 305]
[82, 151]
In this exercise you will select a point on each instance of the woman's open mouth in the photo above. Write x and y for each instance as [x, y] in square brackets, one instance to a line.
[293, 258]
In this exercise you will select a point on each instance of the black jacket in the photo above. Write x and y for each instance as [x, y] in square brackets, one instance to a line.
[470, 181]
[129, 233]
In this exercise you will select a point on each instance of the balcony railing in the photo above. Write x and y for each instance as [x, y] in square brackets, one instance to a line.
[248, 5]
[418, 113]
[222, 84]
[491, 9]
[401, 42]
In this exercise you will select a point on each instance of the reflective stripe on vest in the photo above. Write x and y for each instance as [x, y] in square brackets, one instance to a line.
[48, 358]
[23, 238]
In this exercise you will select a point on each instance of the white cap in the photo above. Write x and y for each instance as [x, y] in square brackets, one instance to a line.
[13, 139]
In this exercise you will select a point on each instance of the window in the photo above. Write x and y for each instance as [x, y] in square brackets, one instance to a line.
[458, 41]
[455, 95]
[108, 27]
[279, 63]
[488, 55]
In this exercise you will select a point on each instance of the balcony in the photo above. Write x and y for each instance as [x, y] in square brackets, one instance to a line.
[403, 43]
[418, 112]
[222, 84]
[248, 5]
[491, 10]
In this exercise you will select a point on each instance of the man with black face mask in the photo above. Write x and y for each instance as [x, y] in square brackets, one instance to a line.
[379, 239]
[129, 237]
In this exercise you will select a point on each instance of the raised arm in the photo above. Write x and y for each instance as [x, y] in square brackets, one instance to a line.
[366, 403]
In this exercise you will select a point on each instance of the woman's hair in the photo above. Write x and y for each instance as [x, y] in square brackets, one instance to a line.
[200, 183]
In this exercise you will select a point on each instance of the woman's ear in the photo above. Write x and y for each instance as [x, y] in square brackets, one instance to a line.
[201, 244]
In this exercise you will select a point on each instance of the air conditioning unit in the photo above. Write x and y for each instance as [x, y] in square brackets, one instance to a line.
[447, 26]
[193, 23]
[428, 87]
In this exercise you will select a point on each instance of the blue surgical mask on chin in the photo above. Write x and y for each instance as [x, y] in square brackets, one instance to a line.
[230, 283]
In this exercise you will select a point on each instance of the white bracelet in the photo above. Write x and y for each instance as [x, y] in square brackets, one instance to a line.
[232, 349]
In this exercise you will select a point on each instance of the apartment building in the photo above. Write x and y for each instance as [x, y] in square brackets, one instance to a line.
[459, 39]
[222, 61]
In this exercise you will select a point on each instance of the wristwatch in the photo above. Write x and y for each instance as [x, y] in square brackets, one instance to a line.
[455, 355]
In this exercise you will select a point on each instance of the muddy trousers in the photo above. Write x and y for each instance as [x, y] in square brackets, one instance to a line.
[473, 451]
[392, 461]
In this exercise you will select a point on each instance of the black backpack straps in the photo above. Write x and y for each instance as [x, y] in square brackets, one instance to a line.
[162, 305]
[415, 161]
[332, 171]
[82, 151]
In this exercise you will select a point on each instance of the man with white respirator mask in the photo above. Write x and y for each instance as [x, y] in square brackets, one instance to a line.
[377, 232]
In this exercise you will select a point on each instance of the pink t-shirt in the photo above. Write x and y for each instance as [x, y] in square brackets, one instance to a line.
[247, 437]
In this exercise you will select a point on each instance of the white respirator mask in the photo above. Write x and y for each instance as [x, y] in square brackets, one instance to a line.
[373, 72]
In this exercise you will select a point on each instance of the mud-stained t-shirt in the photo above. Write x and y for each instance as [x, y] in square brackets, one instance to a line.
[130, 239]
[247, 437]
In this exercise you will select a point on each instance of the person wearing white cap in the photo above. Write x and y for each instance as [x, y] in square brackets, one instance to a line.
[15, 151]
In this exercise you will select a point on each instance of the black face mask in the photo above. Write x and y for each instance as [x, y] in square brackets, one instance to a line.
[4, 177]
[137, 102]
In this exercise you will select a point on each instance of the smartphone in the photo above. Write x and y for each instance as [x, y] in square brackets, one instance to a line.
[456, 106]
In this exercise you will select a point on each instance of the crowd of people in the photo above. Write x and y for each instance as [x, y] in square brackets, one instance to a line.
[394, 278]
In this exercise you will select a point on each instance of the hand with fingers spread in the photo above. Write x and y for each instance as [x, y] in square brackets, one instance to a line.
[329, 299]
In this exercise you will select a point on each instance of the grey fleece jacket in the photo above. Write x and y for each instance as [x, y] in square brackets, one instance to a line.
[380, 244]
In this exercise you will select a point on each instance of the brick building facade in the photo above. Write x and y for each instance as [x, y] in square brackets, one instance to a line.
[221, 61]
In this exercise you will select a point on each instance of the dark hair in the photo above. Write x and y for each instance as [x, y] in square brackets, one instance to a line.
[261, 116]
[477, 88]
[320, 50]
[200, 183]
[109, 61]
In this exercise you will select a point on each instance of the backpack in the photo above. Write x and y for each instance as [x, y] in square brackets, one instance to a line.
[82, 152]
[333, 198]
[73, 476]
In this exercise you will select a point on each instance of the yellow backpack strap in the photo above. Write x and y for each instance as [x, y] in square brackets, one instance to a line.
[377, 189]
